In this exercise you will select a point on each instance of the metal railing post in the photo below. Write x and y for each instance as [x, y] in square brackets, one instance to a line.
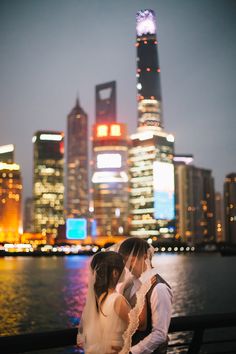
[196, 342]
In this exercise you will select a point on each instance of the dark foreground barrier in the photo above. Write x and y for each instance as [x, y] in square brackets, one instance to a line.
[67, 337]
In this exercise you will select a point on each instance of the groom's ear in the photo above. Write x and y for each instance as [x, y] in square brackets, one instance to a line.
[115, 273]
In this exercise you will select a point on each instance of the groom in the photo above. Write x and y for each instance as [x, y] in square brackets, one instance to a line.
[154, 338]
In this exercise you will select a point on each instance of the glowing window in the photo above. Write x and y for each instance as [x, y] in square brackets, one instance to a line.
[108, 161]
[102, 130]
[115, 130]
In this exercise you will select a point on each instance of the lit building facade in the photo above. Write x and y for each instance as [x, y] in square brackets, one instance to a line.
[7, 153]
[48, 183]
[110, 179]
[105, 98]
[230, 207]
[219, 212]
[77, 204]
[148, 71]
[151, 170]
[195, 202]
[10, 202]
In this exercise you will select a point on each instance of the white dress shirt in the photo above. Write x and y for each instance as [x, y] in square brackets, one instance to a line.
[161, 308]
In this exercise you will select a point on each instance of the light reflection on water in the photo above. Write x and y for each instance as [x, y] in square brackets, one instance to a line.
[48, 293]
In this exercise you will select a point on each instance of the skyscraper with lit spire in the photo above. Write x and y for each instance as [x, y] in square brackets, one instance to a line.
[77, 162]
[148, 71]
[151, 169]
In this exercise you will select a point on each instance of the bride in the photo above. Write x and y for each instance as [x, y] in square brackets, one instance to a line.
[105, 326]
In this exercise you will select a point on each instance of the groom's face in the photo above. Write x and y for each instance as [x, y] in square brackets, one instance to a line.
[136, 265]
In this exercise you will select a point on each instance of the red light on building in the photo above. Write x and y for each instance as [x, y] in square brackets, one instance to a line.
[109, 131]
[148, 69]
[158, 70]
[61, 147]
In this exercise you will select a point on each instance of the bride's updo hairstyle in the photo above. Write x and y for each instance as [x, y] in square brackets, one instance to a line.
[134, 246]
[107, 267]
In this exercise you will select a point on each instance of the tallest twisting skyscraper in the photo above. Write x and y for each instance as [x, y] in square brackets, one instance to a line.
[148, 71]
[151, 168]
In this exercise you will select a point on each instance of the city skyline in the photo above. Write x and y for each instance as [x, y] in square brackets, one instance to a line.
[40, 53]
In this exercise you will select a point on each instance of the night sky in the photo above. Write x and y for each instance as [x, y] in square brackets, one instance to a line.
[53, 50]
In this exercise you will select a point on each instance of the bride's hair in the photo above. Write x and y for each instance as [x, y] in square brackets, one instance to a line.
[134, 246]
[103, 265]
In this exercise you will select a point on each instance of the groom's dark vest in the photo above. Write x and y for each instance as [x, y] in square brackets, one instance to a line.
[140, 335]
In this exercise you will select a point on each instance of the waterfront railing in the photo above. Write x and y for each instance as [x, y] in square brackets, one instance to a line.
[194, 326]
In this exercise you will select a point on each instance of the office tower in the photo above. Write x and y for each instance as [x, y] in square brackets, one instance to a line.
[230, 207]
[77, 163]
[195, 202]
[148, 71]
[219, 217]
[7, 153]
[105, 102]
[10, 202]
[151, 170]
[48, 184]
[184, 198]
[28, 220]
[110, 179]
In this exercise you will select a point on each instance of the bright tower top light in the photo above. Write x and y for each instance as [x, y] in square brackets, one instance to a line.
[54, 137]
[6, 148]
[145, 22]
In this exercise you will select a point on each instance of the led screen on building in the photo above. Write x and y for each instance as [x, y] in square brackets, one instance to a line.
[108, 160]
[163, 185]
[76, 229]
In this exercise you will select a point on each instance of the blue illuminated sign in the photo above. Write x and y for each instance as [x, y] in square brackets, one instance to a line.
[94, 228]
[164, 206]
[163, 184]
[76, 229]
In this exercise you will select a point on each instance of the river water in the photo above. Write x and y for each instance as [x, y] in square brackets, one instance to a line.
[48, 293]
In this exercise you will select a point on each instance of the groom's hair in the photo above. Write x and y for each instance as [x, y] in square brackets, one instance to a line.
[134, 246]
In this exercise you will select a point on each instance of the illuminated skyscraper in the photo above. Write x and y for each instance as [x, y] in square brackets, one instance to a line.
[152, 206]
[7, 153]
[110, 179]
[151, 170]
[195, 202]
[48, 184]
[148, 71]
[219, 207]
[77, 163]
[106, 102]
[10, 202]
[230, 207]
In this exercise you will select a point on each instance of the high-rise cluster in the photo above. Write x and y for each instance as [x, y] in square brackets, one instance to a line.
[133, 185]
